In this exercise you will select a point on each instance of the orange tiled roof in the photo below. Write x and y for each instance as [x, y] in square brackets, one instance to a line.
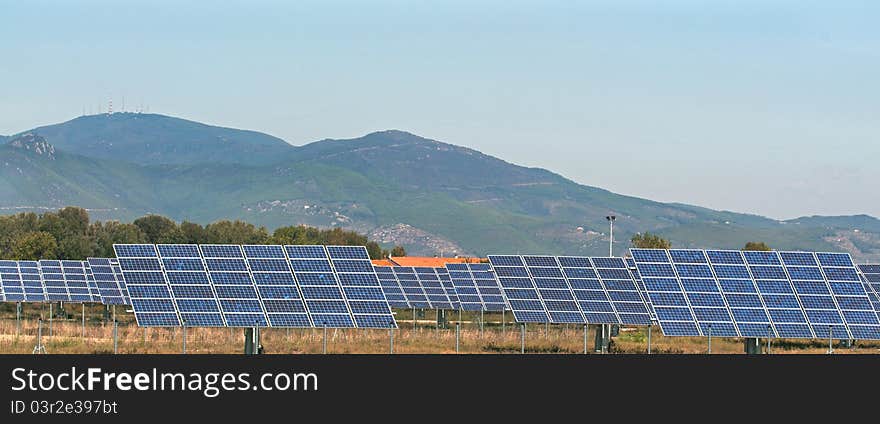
[422, 261]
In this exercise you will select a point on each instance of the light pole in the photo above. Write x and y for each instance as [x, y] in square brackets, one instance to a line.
[611, 219]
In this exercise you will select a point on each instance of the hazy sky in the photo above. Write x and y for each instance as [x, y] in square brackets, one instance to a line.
[771, 107]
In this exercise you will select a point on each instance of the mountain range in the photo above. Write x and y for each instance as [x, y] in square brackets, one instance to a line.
[398, 188]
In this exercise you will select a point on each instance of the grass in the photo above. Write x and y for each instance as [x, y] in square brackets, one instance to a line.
[67, 337]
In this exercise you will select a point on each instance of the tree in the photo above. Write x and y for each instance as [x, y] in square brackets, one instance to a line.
[757, 245]
[649, 241]
[235, 232]
[75, 247]
[33, 246]
[159, 229]
[398, 251]
[193, 233]
[108, 233]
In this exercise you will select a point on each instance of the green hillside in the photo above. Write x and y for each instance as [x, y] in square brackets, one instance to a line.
[158, 139]
[403, 189]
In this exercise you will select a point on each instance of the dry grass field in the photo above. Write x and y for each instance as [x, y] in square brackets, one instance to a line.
[67, 337]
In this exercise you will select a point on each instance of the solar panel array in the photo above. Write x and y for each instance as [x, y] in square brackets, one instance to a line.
[870, 274]
[448, 287]
[391, 287]
[570, 289]
[411, 287]
[253, 286]
[757, 294]
[276, 286]
[477, 287]
[108, 281]
[433, 288]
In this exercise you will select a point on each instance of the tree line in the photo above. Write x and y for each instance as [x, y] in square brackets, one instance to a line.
[69, 234]
[653, 241]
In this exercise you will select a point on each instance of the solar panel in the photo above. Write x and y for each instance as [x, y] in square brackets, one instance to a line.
[320, 289]
[10, 281]
[412, 288]
[519, 289]
[53, 277]
[666, 292]
[741, 294]
[591, 294]
[233, 286]
[872, 295]
[814, 294]
[448, 287]
[703, 293]
[640, 285]
[94, 292]
[434, 291]
[465, 287]
[871, 281]
[850, 295]
[361, 287]
[74, 275]
[150, 293]
[106, 281]
[625, 297]
[553, 290]
[117, 271]
[391, 287]
[276, 286]
[778, 294]
[32, 281]
[191, 289]
[489, 287]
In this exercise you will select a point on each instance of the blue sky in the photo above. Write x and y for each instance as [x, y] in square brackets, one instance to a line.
[768, 107]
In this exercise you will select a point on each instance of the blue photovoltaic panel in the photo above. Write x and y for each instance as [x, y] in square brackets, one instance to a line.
[276, 286]
[871, 280]
[114, 263]
[640, 285]
[149, 292]
[391, 288]
[850, 295]
[666, 292]
[872, 295]
[233, 285]
[554, 290]
[465, 287]
[320, 289]
[92, 283]
[625, 296]
[412, 289]
[703, 293]
[361, 287]
[75, 278]
[448, 287]
[32, 281]
[106, 281]
[592, 298]
[191, 289]
[814, 294]
[434, 291]
[741, 294]
[778, 295]
[519, 289]
[53, 278]
[489, 287]
[10, 280]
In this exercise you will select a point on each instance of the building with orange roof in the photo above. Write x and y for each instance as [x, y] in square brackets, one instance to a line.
[433, 262]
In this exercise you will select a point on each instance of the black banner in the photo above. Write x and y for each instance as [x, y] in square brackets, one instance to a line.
[450, 387]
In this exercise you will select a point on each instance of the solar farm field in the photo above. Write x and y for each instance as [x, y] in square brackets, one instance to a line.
[425, 338]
